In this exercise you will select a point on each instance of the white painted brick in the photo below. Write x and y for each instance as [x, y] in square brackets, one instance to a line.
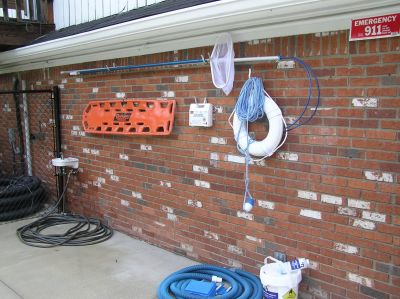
[64, 81]
[172, 217]
[359, 204]
[159, 223]
[235, 159]
[165, 184]
[290, 119]
[313, 265]
[310, 213]
[187, 247]
[194, 203]
[95, 90]
[168, 94]
[97, 184]
[359, 279]
[101, 180]
[114, 178]
[254, 42]
[378, 176]
[335, 200]
[345, 248]
[137, 195]
[288, 156]
[181, 79]
[61, 86]
[318, 292]
[137, 229]
[266, 204]
[38, 83]
[235, 249]
[78, 80]
[245, 215]
[219, 109]
[167, 209]
[306, 194]
[193, 256]
[214, 156]
[202, 184]
[67, 116]
[197, 168]
[347, 211]
[76, 128]
[253, 239]
[259, 163]
[84, 185]
[218, 140]
[364, 224]
[374, 216]
[145, 147]
[365, 102]
[321, 108]
[95, 152]
[214, 163]
[120, 95]
[74, 133]
[211, 235]
[234, 263]
[82, 133]
[124, 203]
[123, 157]
[109, 171]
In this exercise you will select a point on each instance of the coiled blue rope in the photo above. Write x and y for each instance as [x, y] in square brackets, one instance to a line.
[250, 104]
[244, 285]
[249, 108]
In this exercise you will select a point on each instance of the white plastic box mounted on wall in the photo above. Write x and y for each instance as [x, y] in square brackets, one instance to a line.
[201, 115]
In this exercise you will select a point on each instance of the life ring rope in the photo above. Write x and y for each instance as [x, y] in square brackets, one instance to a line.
[251, 140]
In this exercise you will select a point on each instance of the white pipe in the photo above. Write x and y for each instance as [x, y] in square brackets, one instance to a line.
[261, 58]
[27, 130]
[183, 62]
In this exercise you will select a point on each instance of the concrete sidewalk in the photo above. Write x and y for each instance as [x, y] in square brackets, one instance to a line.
[119, 268]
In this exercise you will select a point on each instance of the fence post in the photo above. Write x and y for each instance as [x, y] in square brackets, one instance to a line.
[57, 141]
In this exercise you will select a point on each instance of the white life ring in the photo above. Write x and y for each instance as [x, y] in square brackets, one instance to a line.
[272, 142]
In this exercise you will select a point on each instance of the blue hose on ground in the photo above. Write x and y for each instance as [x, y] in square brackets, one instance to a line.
[244, 285]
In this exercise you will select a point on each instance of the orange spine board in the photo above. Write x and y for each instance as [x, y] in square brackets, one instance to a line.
[129, 117]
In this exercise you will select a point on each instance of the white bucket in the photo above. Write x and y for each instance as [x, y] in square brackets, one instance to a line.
[277, 285]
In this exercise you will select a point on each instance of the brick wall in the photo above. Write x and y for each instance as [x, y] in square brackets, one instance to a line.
[330, 194]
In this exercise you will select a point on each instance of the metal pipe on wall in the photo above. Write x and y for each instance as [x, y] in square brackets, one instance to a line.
[168, 63]
[27, 130]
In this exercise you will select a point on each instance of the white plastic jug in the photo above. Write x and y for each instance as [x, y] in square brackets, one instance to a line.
[278, 285]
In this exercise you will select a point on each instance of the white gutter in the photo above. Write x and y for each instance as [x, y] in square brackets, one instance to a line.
[194, 27]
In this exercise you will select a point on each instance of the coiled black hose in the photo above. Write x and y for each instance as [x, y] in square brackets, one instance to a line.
[84, 230]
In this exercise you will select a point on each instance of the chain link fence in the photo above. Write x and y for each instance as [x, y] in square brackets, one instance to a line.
[28, 182]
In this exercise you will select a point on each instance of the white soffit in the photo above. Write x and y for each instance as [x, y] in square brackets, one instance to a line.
[194, 27]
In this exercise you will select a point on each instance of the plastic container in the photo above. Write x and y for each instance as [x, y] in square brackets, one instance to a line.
[278, 285]
[294, 265]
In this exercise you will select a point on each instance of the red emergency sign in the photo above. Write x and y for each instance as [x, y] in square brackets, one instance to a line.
[375, 27]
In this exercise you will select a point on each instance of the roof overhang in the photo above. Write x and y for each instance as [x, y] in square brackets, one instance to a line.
[194, 27]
